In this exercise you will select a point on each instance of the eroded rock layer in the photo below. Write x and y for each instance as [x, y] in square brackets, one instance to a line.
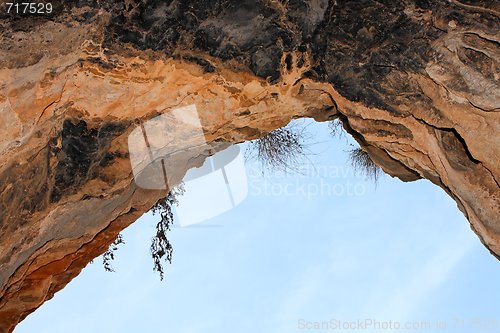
[415, 82]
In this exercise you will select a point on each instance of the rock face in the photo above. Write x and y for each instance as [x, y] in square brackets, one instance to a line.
[415, 82]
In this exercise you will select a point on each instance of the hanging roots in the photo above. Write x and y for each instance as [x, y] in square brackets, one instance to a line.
[363, 163]
[160, 245]
[280, 150]
[109, 255]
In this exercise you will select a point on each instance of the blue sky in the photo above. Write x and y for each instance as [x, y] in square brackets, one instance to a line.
[283, 262]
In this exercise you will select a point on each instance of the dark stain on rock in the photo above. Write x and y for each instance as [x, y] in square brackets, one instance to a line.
[306, 15]
[109, 157]
[361, 42]
[479, 61]
[80, 155]
[288, 62]
[23, 190]
[266, 63]
[204, 64]
[218, 27]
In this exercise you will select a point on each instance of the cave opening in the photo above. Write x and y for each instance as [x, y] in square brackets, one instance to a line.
[317, 244]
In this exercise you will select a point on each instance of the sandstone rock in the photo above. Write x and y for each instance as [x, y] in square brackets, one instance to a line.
[416, 83]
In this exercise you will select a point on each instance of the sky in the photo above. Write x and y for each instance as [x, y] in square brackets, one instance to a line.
[321, 250]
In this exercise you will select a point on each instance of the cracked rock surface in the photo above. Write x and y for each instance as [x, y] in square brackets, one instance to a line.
[415, 82]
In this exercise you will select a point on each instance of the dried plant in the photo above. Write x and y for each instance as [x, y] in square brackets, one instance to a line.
[362, 162]
[109, 255]
[160, 245]
[336, 128]
[279, 150]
